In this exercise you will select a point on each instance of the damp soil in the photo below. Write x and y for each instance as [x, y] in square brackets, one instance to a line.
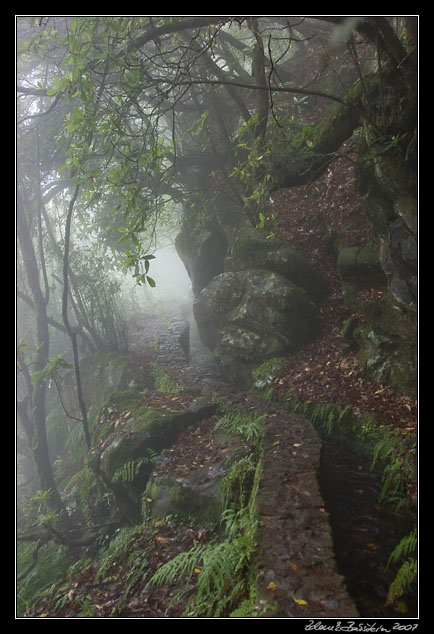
[364, 531]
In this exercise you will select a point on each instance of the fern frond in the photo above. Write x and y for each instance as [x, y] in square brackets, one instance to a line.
[181, 565]
[343, 412]
[239, 422]
[382, 449]
[393, 481]
[137, 573]
[217, 568]
[330, 421]
[234, 481]
[407, 545]
[403, 580]
[118, 550]
[128, 472]
[219, 580]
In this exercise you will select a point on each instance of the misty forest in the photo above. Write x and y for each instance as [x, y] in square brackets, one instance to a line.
[216, 317]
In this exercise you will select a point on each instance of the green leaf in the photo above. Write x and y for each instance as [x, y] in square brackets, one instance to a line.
[152, 283]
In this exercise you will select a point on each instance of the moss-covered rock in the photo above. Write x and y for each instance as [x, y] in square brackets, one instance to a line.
[184, 498]
[128, 437]
[240, 350]
[253, 249]
[267, 372]
[128, 430]
[360, 265]
[247, 317]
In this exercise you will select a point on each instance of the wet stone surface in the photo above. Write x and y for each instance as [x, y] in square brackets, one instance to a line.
[297, 575]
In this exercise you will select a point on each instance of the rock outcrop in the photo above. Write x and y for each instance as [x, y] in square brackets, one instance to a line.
[388, 340]
[263, 306]
[126, 440]
[252, 248]
[248, 316]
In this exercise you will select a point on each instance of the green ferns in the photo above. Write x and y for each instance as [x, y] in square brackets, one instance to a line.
[129, 471]
[119, 550]
[162, 381]
[219, 569]
[325, 415]
[236, 422]
[398, 468]
[407, 572]
[223, 569]
[123, 559]
[382, 443]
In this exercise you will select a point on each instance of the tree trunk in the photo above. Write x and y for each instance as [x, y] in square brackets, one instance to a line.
[258, 72]
[71, 333]
[35, 419]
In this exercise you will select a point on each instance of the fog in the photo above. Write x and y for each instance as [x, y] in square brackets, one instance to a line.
[172, 289]
[172, 281]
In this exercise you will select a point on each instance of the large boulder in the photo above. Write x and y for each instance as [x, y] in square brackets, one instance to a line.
[254, 249]
[248, 316]
[184, 497]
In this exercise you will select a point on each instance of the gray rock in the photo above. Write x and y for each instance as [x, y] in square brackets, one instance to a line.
[361, 266]
[253, 249]
[249, 316]
[185, 498]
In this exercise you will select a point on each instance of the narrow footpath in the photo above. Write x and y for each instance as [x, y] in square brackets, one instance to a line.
[297, 574]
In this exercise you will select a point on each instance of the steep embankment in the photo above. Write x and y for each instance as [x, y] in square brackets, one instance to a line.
[313, 219]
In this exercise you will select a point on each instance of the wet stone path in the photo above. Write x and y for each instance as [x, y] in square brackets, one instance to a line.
[297, 574]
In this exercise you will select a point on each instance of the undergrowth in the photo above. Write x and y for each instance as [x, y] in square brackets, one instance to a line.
[163, 382]
[122, 561]
[223, 569]
[219, 569]
[53, 561]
